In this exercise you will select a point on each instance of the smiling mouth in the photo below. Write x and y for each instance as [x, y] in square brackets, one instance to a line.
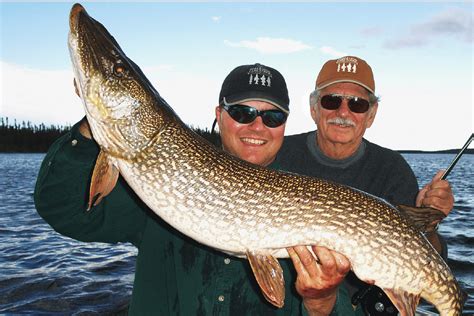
[253, 141]
[341, 125]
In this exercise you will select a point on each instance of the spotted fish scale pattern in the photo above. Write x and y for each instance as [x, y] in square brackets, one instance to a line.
[231, 205]
[234, 206]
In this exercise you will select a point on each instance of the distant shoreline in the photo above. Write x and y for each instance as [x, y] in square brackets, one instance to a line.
[447, 151]
[469, 151]
[25, 137]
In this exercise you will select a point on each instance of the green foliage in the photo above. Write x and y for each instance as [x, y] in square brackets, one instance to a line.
[213, 138]
[26, 137]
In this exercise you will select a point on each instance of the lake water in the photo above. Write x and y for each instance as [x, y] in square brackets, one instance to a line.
[44, 273]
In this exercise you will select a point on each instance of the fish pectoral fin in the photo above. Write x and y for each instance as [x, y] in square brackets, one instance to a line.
[104, 179]
[423, 218]
[269, 275]
[405, 302]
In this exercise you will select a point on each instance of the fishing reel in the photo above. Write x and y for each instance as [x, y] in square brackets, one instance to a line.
[374, 302]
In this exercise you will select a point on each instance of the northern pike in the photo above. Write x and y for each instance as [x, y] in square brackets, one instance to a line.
[234, 206]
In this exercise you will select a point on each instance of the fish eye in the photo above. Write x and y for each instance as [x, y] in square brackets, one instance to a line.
[119, 70]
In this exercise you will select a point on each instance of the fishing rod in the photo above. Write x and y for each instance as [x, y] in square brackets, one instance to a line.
[455, 160]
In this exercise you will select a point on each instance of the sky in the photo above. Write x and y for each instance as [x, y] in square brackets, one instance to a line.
[421, 54]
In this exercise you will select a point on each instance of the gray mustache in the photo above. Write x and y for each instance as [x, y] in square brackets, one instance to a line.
[341, 121]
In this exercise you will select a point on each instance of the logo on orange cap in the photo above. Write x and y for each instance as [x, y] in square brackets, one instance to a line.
[346, 69]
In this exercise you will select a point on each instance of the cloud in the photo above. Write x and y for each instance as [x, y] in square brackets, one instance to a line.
[267, 45]
[38, 95]
[453, 22]
[410, 41]
[47, 96]
[216, 19]
[331, 52]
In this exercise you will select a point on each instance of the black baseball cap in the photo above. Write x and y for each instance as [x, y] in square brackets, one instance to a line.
[255, 82]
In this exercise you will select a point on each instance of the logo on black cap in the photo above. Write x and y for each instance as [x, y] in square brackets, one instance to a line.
[260, 75]
[255, 82]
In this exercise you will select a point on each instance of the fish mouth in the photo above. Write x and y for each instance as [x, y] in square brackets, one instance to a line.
[90, 42]
[95, 55]
[112, 87]
[76, 11]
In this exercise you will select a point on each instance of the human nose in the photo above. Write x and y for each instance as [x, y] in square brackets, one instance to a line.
[343, 109]
[257, 124]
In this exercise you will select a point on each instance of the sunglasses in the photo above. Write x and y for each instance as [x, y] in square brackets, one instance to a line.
[334, 101]
[245, 114]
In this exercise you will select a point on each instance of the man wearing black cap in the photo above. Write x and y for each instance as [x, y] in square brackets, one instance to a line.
[174, 274]
[252, 111]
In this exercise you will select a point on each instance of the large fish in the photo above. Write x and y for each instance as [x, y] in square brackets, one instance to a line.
[236, 207]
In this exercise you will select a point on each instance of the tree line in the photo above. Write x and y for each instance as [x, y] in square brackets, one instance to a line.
[26, 137]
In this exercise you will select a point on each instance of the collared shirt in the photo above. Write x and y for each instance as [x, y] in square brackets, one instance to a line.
[174, 274]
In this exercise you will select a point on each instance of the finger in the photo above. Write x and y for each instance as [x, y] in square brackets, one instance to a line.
[327, 261]
[438, 175]
[343, 264]
[442, 204]
[442, 191]
[310, 260]
[421, 196]
[299, 266]
[441, 184]
[440, 196]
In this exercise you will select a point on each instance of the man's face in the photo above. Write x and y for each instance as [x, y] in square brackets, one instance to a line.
[254, 142]
[333, 132]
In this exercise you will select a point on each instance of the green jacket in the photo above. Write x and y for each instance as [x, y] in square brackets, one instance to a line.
[174, 274]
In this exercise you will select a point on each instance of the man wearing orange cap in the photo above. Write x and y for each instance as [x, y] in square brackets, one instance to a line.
[343, 105]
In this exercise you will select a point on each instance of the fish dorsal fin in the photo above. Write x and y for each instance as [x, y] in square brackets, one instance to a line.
[269, 275]
[405, 302]
[104, 179]
[423, 218]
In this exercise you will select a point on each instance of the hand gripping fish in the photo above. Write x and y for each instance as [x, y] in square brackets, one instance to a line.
[234, 206]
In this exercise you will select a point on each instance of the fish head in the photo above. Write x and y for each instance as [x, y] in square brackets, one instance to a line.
[122, 107]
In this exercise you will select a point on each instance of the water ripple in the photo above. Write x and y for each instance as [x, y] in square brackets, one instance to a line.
[44, 273]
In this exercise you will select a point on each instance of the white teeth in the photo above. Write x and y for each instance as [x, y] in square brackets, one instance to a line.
[253, 141]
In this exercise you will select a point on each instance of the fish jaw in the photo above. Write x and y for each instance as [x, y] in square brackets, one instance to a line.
[118, 99]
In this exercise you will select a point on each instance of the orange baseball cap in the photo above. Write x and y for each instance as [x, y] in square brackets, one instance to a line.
[346, 69]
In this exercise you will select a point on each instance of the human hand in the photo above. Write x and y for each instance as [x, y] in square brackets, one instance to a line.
[85, 129]
[436, 194]
[318, 276]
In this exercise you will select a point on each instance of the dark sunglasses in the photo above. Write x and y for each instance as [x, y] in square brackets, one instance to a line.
[334, 101]
[245, 114]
